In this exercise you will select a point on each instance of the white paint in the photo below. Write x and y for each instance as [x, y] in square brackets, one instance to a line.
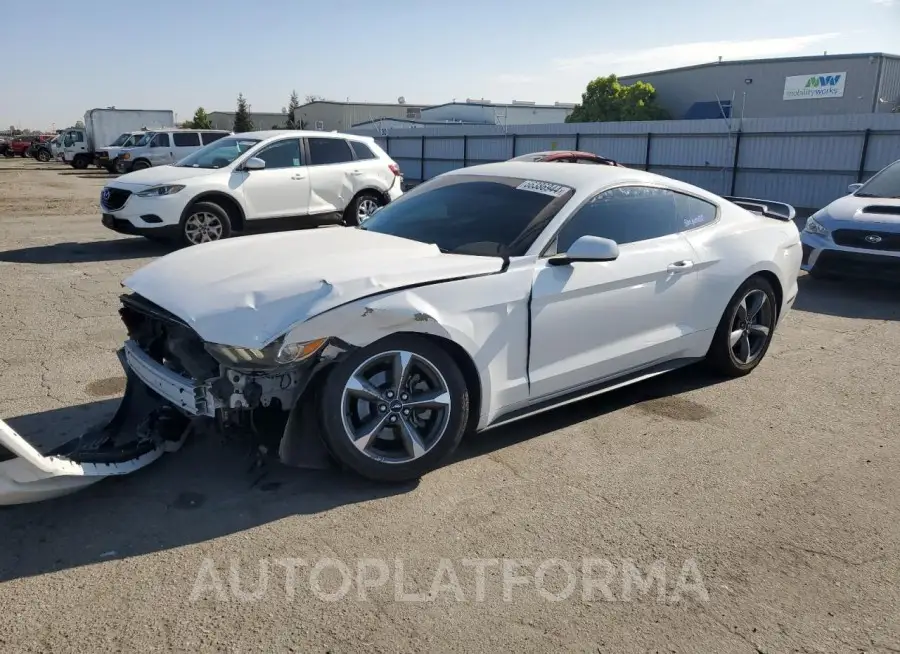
[815, 86]
[291, 192]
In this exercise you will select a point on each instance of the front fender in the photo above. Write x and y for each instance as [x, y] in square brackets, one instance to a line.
[486, 316]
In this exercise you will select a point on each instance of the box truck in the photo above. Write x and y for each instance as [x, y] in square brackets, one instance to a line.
[102, 127]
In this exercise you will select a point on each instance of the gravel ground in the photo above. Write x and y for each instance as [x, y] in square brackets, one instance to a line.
[770, 500]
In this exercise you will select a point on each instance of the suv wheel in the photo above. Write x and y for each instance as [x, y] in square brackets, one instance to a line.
[140, 165]
[362, 207]
[394, 410]
[204, 222]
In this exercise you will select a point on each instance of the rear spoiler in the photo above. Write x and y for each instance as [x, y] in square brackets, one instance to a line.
[767, 208]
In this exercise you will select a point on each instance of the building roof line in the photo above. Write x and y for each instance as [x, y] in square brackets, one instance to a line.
[739, 62]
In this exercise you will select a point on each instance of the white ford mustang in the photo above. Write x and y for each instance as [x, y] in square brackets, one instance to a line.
[483, 296]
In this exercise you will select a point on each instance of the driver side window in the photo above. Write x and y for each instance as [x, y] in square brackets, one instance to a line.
[283, 154]
[626, 214]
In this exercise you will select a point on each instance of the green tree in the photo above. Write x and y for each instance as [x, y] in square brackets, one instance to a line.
[201, 120]
[242, 121]
[293, 105]
[607, 100]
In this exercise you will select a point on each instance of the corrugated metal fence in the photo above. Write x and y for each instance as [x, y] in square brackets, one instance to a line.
[806, 161]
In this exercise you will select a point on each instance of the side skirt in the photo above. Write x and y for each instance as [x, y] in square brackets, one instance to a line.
[586, 392]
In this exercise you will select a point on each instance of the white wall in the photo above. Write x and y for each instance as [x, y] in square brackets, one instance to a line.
[508, 115]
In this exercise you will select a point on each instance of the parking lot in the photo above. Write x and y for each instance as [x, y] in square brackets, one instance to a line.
[777, 492]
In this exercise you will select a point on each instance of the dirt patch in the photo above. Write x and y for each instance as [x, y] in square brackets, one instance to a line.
[32, 188]
[106, 387]
[676, 408]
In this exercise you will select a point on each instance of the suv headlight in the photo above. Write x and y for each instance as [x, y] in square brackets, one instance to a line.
[813, 226]
[158, 191]
[273, 355]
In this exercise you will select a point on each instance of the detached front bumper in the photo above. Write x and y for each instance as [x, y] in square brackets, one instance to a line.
[136, 436]
[822, 256]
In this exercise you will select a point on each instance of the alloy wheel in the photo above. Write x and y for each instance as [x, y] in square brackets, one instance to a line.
[751, 326]
[203, 227]
[395, 407]
[365, 208]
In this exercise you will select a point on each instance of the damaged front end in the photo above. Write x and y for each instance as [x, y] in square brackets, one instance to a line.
[178, 384]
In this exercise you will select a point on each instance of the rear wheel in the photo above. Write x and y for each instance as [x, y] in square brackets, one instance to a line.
[204, 222]
[362, 206]
[745, 330]
[394, 410]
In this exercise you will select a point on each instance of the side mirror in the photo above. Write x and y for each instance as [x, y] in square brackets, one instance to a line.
[254, 163]
[853, 188]
[587, 248]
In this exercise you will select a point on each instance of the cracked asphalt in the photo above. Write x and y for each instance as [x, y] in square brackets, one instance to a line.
[769, 503]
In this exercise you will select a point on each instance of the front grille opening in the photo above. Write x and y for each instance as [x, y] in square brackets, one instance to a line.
[114, 198]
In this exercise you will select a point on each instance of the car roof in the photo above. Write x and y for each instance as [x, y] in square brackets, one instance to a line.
[308, 133]
[578, 176]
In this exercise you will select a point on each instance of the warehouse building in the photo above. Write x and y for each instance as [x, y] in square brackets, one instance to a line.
[225, 120]
[764, 88]
[327, 115]
[477, 112]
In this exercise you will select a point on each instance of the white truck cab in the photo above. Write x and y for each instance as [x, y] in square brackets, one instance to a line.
[165, 146]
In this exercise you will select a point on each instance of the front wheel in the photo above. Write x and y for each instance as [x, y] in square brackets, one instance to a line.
[80, 162]
[140, 165]
[204, 222]
[43, 156]
[745, 330]
[393, 410]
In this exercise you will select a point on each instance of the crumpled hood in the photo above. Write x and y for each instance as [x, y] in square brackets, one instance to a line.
[248, 291]
[159, 175]
[850, 212]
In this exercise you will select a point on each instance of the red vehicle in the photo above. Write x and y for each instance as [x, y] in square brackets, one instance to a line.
[18, 145]
[567, 156]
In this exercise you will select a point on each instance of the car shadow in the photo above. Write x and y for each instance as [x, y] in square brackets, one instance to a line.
[210, 488]
[114, 250]
[870, 300]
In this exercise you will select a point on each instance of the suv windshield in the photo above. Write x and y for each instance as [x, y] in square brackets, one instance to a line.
[132, 140]
[885, 184]
[218, 154]
[473, 214]
[121, 140]
[145, 139]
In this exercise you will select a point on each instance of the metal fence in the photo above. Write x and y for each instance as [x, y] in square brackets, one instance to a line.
[807, 162]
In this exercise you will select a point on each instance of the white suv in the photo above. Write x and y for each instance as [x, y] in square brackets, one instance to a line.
[252, 180]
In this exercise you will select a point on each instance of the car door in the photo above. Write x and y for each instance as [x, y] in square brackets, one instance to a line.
[281, 189]
[159, 150]
[332, 174]
[183, 144]
[592, 321]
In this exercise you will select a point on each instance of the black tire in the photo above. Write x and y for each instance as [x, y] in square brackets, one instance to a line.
[203, 208]
[332, 412]
[80, 162]
[351, 213]
[721, 357]
[43, 156]
[140, 164]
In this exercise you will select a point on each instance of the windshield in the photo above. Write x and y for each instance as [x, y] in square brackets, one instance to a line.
[132, 140]
[885, 184]
[144, 140]
[218, 154]
[473, 214]
[119, 141]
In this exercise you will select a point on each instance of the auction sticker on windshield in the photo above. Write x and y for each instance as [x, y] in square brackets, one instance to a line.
[553, 190]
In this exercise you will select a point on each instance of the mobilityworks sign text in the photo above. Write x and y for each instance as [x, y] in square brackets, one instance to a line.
[808, 87]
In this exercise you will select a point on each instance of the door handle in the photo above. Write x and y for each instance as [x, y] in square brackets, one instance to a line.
[680, 266]
[356, 172]
[298, 177]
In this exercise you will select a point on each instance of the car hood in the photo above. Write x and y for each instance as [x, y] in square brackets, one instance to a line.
[853, 212]
[248, 291]
[160, 175]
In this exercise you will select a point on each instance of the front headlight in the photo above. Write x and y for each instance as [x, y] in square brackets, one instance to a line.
[272, 356]
[125, 156]
[813, 226]
[159, 191]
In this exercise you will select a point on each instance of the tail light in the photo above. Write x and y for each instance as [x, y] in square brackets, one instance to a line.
[395, 169]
